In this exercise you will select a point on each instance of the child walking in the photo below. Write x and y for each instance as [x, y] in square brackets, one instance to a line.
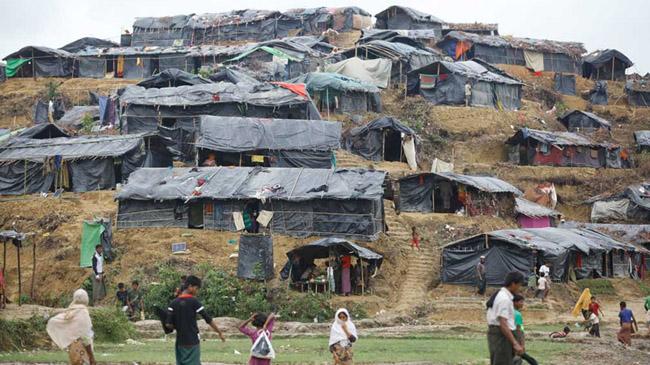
[518, 302]
[415, 238]
[262, 323]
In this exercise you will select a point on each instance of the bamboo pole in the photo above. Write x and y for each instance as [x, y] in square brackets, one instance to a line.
[4, 257]
[31, 292]
[20, 284]
[613, 59]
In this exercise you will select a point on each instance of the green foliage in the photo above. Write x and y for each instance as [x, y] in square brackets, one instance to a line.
[87, 123]
[225, 295]
[560, 108]
[111, 325]
[87, 285]
[22, 334]
[52, 90]
[645, 289]
[597, 286]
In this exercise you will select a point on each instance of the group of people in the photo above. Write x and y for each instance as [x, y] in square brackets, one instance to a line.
[540, 284]
[131, 301]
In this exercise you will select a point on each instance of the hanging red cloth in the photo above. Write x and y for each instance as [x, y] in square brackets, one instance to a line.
[579, 261]
[298, 89]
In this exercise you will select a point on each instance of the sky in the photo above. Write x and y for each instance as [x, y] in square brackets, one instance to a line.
[599, 24]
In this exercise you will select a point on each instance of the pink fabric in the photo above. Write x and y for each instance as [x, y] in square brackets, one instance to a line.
[254, 333]
[345, 280]
[530, 222]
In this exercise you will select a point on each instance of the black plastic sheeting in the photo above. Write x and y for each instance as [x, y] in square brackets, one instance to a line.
[255, 257]
[367, 141]
[605, 65]
[42, 131]
[577, 120]
[172, 78]
[40, 112]
[322, 248]
[565, 83]
[85, 42]
[46, 62]
[24, 177]
[416, 193]
[638, 93]
[402, 17]
[599, 95]
[229, 74]
[73, 118]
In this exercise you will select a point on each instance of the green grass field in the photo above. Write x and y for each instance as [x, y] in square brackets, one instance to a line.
[307, 350]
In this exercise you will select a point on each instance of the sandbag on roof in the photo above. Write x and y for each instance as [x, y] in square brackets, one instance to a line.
[222, 92]
[289, 184]
[534, 210]
[321, 249]
[233, 134]
[320, 81]
[484, 183]
[69, 148]
[376, 72]
[172, 77]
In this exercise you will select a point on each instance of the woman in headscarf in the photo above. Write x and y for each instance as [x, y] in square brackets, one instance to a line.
[72, 330]
[582, 305]
[342, 335]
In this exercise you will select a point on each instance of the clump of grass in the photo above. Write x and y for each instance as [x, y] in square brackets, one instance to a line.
[597, 286]
[111, 325]
[23, 334]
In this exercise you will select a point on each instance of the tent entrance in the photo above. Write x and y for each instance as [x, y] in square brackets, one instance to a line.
[247, 159]
[195, 216]
[445, 197]
[392, 146]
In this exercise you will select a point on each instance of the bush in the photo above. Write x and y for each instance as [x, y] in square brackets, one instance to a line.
[597, 286]
[111, 325]
[23, 334]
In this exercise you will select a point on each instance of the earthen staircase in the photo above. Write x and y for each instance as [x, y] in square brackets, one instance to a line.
[422, 267]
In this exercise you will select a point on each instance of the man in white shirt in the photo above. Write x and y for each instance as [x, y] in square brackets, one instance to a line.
[543, 286]
[501, 322]
[545, 269]
[468, 92]
[99, 286]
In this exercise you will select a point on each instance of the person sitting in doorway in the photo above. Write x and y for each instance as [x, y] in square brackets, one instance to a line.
[210, 161]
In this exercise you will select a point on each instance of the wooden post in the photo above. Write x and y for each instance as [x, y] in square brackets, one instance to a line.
[4, 257]
[31, 292]
[20, 285]
[33, 65]
[363, 282]
[613, 59]
[383, 145]
[487, 243]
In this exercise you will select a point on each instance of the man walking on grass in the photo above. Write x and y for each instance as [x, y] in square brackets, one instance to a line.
[181, 316]
[502, 343]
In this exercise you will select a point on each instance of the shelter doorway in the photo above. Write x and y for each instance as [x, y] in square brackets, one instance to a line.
[445, 197]
[195, 216]
[392, 145]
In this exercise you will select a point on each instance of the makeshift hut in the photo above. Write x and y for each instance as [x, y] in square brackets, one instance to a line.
[581, 121]
[294, 201]
[564, 83]
[303, 270]
[88, 42]
[130, 62]
[418, 38]
[606, 64]
[444, 83]
[175, 111]
[336, 93]
[642, 140]
[448, 192]
[536, 54]
[235, 141]
[172, 77]
[376, 72]
[476, 28]
[533, 215]
[42, 131]
[402, 17]
[638, 91]
[383, 139]
[348, 18]
[315, 21]
[36, 61]
[571, 253]
[537, 147]
[79, 164]
[317, 43]
[161, 31]
[235, 25]
[404, 58]
[631, 205]
[233, 75]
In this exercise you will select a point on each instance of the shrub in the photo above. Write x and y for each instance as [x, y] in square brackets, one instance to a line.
[111, 325]
[23, 334]
[597, 286]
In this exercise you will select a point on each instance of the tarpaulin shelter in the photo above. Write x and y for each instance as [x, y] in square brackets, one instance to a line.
[384, 138]
[537, 147]
[235, 25]
[415, 38]
[536, 54]
[175, 111]
[573, 253]
[83, 163]
[630, 205]
[233, 76]
[533, 215]
[376, 71]
[302, 258]
[476, 28]
[172, 77]
[606, 64]
[564, 83]
[444, 83]
[315, 21]
[88, 42]
[345, 19]
[239, 141]
[333, 92]
[317, 43]
[448, 192]
[37, 61]
[131, 62]
[402, 17]
[161, 31]
[3, 72]
[42, 131]
[638, 92]
[301, 202]
[74, 117]
[255, 258]
[642, 140]
[578, 120]
[404, 58]
[598, 95]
